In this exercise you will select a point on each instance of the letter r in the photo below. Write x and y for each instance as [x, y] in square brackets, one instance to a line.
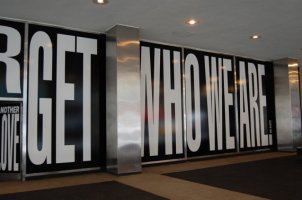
[13, 84]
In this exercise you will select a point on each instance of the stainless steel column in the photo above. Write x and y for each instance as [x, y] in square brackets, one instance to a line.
[123, 115]
[288, 108]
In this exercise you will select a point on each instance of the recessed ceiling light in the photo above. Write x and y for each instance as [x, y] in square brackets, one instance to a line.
[255, 37]
[101, 2]
[191, 22]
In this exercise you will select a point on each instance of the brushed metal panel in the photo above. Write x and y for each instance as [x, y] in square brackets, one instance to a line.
[300, 89]
[123, 100]
[23, 143]
[283, 105]
[293, 74]
[288, 111]
[111, 102]
[128, 97]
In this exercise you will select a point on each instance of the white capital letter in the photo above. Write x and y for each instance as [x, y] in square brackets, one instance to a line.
[16, 141]
[40, 41]
[254, 110]
[228, 101]
[65, 91]
[87, 47]
[262, 103]
[243, 110]
[4, 127]
[172, 96]
[13, 84]
[214, 101]
[152, 100]
[192, 63]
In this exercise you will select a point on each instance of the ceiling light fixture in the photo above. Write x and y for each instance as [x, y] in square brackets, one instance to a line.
[100, 2]
[293, 65]
[255, 37]
[191, 22]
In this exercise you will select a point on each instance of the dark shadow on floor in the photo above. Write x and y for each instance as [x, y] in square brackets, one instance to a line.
[98, 191]
[279, 178]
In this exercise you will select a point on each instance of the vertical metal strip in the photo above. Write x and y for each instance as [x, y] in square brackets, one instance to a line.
[293, 74]
[236, 105]
[184, 102]
[287, 104]
[24, 111]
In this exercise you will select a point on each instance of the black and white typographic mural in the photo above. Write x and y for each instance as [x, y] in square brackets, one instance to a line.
[161, 100]
[193, 102]
[225, 103]
[210, 103]
[255, 104]
[10, 137]
[11, 59]
[65, 74]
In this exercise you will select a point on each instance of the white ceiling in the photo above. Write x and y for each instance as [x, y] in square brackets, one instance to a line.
[224, 25]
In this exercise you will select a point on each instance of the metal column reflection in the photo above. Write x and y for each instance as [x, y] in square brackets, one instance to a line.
[123, 113]
[288, 109]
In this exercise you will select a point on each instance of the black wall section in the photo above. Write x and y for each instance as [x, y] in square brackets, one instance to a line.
[10, 127]
[66, 111]
[214, 109]
[256, 105]
[161, 98]
[12, 55]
